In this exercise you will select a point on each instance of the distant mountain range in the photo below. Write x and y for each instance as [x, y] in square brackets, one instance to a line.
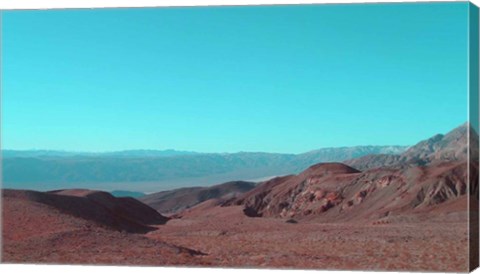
[150, 170]
[323, 153]
[8, 153]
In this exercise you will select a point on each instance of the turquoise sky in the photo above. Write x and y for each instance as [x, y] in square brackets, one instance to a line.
[228, 79]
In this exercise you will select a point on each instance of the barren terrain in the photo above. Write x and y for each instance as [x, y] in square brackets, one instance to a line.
[246, 242]
[410, 213]
[210, 235]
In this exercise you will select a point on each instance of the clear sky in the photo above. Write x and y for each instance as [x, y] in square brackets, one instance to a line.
[227, 79]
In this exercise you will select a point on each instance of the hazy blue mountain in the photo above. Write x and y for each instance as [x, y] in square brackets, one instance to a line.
[125, 153]
[143, 171]
[6, 153]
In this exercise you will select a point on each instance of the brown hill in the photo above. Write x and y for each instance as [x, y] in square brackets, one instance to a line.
[173, 201]
[122, 214]
[83, 227]
[289, 195]
[382, 193]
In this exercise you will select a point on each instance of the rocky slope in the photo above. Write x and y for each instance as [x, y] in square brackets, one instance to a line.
[452, 146]
[338, 193]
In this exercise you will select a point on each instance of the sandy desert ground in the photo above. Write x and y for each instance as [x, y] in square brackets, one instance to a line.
[232, 239]
[225, 237]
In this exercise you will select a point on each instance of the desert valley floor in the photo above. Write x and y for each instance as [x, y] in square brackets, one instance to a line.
[245, 242]
[226, 237]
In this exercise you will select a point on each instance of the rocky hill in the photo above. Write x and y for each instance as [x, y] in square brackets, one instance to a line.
[452, 146]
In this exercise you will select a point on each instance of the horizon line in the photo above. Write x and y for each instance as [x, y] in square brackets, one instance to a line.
[187, 151]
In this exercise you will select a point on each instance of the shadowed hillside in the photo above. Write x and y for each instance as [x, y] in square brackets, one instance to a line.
[179, 199]
[122, 214]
